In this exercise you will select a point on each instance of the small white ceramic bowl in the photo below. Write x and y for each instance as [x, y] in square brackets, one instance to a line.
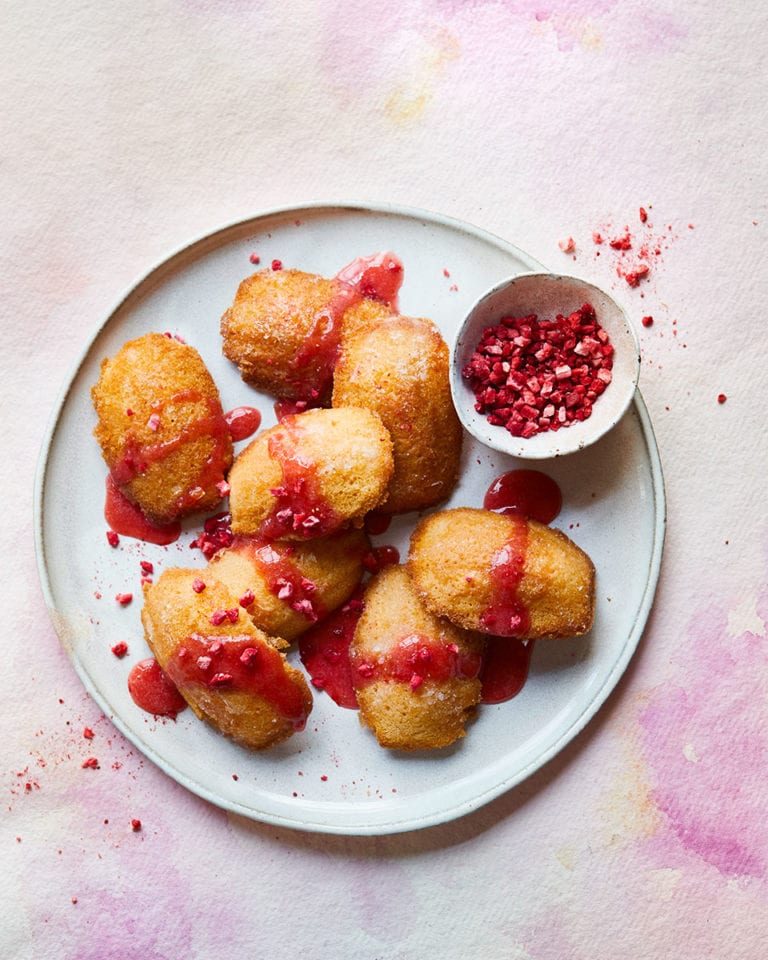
[546, 295]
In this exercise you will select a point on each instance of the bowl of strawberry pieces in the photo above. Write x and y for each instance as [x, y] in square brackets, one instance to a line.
[543, 365]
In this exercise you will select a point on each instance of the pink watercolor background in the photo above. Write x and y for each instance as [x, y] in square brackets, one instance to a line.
[131, 130]
[704, 740]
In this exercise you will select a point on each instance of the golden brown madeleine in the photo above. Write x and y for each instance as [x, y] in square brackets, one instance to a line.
[502, 575]
[399, 368]
[311, 475]
[363, 315]
[286, 587]
[415, 675]
[283, 331]
[161, 428]
[230, 673]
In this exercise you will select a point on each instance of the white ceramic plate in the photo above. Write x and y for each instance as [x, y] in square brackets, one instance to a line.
[333, 777]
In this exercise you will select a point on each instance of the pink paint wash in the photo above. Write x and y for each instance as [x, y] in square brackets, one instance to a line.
[705, 739]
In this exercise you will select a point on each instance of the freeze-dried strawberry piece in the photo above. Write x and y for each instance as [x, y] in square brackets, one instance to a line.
[530, 376]
[217, 534]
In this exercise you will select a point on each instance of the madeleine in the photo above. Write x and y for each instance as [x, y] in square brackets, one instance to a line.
[415, 675]
[161, 427]
[282, 331]
[232, 674]
[311, 475]
[398, 367]
[502, 575]
[286, 587]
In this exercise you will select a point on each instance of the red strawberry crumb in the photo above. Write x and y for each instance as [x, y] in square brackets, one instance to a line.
[248, 656]
[91, 763]
[647, 321]
[220, 680]
[634, 277]
[146, 566]
[721, 398]
[445, 272]
[112, 538]
[284, 589]
[324, 777]
[277, 264]
[622, 243]
[88, 733]
[305, 608]
[219, 616]
[124, 598]
[120, 649]
[198, 585]
[235, 776]
[135, 825]
[530, 376]
[643, 215]
[255, 258]
[568, 245]
[247, 599]
[216, 535]
[597, 237]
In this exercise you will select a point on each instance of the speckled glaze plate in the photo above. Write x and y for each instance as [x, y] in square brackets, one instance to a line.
[333, 777]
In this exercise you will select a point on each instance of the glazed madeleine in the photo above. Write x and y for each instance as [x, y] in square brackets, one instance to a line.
[502, 575]
[362, 316]
[398, 367]
[282, 331]
[415, 675]
[286, 587]
[284, 327]
[311, 475]
[161, 427]
[232, 674]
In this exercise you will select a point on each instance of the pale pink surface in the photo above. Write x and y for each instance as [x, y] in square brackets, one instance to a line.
[130, 131]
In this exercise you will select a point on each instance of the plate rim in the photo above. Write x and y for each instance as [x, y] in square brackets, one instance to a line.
[409, 821]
